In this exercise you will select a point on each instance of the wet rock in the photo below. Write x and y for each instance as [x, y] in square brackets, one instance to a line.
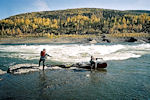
[22, 68]
[26, 68]
[2, 72]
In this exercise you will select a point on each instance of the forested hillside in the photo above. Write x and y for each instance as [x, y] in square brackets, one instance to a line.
[76, 21]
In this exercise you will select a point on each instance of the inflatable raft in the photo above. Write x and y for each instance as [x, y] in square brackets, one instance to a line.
[93, 66]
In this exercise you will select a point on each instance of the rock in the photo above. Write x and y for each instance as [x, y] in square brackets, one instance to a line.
[147, 40]
[2, 72]
[22, 68]
[131, 39]
[141, 41]
[106, 40]
[93, 41]
[26, 68]
[103, 36]
[89, 39]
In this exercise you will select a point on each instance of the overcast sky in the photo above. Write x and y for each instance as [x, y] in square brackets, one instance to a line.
[13, 7]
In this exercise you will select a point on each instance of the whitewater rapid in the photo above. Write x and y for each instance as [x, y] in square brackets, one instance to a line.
[76, 52]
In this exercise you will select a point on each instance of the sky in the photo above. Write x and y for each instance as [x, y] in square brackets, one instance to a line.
[13, 7]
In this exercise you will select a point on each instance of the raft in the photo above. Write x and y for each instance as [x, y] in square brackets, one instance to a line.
[89, 66]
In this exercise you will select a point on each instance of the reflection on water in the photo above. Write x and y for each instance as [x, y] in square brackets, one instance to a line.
[102, 70]
[96, 75]
[43, 94]
[122, 80]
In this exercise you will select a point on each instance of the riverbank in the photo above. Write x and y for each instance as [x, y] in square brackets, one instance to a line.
[76, 39]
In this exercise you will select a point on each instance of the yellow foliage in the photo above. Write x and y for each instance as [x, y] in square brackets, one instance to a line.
[34, 26]
[7, 21]
[27, 21]
[68, 19]
[51, 36]
[18, 31]
[94, 19]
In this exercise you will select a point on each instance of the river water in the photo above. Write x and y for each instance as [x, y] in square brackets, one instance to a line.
[127, 76]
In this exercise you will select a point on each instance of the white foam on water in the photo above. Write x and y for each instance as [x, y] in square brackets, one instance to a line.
[56, 67]
[120, 56]
[77, 52]
[87, 75]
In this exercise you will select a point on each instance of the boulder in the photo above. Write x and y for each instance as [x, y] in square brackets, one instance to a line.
[93, 41]
[131, 39]
[106, 40]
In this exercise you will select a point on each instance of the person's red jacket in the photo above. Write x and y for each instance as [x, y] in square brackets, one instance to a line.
[43, 53]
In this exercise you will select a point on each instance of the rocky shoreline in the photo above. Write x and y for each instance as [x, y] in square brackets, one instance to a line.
[92, 40]
[126, 39]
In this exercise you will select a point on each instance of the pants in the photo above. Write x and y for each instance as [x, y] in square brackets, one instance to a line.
[92, 64]
[43, 62]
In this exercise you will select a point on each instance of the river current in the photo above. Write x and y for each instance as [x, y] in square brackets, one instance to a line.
[127, 76]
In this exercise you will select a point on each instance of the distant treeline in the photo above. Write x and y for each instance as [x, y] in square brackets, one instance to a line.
[76, 21]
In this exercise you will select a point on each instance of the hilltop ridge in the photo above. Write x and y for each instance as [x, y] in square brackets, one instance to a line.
[76, 21]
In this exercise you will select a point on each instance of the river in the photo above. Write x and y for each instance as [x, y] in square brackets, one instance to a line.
[127, 76]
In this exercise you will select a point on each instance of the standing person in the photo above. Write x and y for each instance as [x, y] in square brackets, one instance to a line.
[43, 55]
